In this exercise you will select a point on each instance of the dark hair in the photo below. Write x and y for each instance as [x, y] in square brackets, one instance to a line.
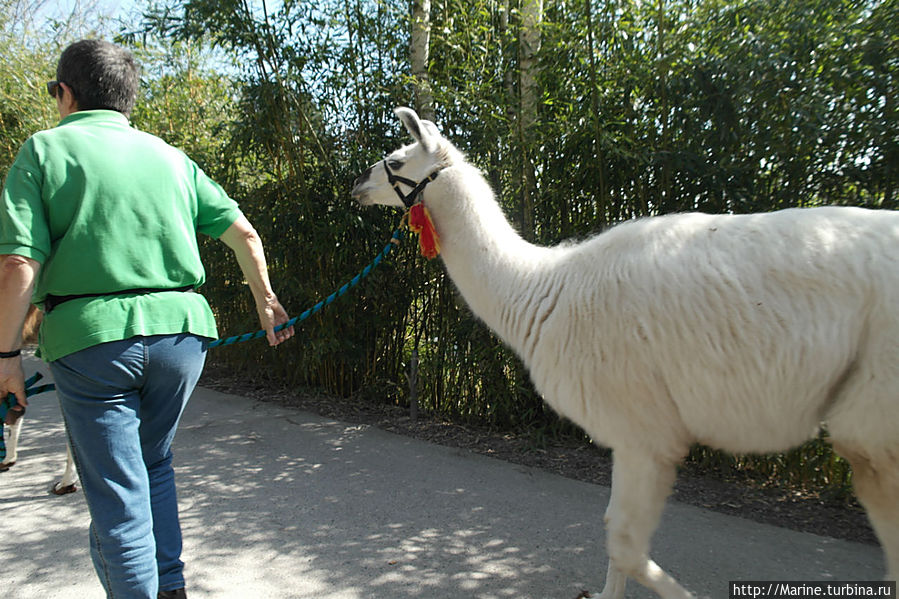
[100, 74]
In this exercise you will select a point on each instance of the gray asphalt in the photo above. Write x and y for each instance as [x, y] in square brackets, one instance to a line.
[280, 503]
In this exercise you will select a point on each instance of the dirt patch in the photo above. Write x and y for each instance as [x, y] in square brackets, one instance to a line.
[574, 458]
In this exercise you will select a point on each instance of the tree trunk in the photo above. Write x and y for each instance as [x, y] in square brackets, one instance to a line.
[663, 150]
[603, 192]
[528, 48]
[421, 39]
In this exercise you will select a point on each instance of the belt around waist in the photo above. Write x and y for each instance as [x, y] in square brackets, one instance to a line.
[51, 301]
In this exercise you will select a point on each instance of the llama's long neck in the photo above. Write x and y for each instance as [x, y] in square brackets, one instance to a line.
[503, 278]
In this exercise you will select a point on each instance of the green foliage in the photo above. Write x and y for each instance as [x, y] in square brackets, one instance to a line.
[684, 105]
[185, 102]
[32, 34]
[811, 468]
[25, 106]
[646, 108]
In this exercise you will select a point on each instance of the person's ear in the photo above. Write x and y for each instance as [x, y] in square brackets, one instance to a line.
[66, 99]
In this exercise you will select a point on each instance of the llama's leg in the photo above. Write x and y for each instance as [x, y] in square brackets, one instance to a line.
[640, 486]
[69, 477]
[876, 483]
[615, 583]
[12, 445]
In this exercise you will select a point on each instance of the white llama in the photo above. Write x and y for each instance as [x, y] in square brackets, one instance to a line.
[744, 333]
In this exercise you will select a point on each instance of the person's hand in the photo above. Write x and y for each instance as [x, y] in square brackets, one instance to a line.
[272, 314]
[12, 379]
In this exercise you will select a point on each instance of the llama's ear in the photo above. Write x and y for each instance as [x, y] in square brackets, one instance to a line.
[418, 129]
[431, 128]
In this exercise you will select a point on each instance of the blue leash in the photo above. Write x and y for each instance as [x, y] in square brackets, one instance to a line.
[10, 400]
[394, 241]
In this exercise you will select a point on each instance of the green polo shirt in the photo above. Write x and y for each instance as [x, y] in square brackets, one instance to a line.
[104, 207]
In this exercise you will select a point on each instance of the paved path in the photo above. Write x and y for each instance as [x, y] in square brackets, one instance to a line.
[279, 503]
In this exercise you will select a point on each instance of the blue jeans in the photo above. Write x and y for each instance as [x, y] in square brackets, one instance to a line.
[121, 402]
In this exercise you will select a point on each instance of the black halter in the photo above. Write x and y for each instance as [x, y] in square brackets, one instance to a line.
[410, 198]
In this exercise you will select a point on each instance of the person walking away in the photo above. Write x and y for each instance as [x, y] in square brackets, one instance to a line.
[98, 226]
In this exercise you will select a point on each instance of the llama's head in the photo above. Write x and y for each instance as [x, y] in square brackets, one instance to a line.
[401, 171]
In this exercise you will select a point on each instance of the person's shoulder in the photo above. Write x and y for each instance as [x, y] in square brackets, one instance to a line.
[43, 137]
[30, 151]
[160, 145]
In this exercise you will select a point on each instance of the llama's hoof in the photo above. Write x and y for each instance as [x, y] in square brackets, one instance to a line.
[63, 490]
[6, 466]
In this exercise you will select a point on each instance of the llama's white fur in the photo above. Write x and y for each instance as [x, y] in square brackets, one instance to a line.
[744, 333]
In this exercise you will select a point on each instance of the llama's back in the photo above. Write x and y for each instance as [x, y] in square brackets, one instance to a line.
[740, 332]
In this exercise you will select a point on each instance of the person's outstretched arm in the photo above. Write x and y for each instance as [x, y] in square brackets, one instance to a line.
[242, 238]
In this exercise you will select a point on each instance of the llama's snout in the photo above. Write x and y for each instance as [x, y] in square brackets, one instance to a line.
[362, 178]
[358, 193]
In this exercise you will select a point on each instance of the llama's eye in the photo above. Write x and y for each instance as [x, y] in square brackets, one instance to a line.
[395, 164]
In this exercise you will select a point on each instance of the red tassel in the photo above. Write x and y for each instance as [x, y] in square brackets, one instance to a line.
[420, 222]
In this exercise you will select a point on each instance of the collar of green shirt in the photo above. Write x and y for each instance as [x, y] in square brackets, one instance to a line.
[96, 116]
